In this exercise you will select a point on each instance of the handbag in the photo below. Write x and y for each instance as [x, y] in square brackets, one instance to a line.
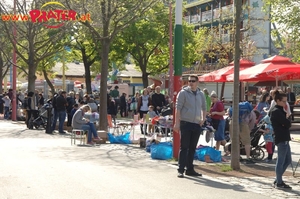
[215, 123]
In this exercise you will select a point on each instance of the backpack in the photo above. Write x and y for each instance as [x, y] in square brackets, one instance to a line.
[245, 109]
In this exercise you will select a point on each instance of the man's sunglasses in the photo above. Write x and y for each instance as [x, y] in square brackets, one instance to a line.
[192, 81]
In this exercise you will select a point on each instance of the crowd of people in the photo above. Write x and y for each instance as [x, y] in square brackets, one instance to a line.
[194, 106]
[192, 109]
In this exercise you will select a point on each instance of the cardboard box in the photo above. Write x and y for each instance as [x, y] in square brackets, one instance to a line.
[102, 135]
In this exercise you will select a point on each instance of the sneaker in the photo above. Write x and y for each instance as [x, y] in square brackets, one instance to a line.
[192, 173]
[249, 161]
[268, 160]
[180, 175]
[283, 186]
[97, 138]
[90, 143]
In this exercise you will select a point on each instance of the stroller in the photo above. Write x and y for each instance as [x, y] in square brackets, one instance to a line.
[39, 117]
[256, 150]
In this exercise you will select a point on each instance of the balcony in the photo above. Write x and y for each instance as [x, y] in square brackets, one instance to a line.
[192, 3]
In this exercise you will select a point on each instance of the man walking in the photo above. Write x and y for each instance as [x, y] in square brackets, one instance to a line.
[190, 114]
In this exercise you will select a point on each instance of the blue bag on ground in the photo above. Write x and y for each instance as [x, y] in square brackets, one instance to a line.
[119, 139]
[162, 151]
[214, 155]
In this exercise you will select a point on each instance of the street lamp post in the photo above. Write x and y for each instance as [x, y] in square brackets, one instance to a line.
[171, 69]
[177, 67]
[14, 79]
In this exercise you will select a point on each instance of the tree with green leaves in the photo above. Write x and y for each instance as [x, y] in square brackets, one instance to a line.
[5, 59]
[34, 41]
[84, 48]
[147, 41]
[108, 18]
[286, 15]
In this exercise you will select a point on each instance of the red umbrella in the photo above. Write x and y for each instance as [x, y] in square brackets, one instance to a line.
[77, 82]
[220, 75]
[273, 68]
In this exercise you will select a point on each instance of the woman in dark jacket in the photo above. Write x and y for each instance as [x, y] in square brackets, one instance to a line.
[281, 126]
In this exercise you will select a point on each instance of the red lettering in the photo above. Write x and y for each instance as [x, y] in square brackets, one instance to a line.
[43, 17]
[24, 17]
[5, 17]
[58, 13]
[64, 15]
[15, 17]
[51, 15]
[34, 15]
[88, 17]
[72, 15]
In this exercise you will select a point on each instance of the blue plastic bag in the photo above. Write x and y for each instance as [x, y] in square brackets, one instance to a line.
[161, 151]
[119, 139]
[214, 155]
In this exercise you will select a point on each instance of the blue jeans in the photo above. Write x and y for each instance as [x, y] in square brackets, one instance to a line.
[220, 133]
[90, 127]
[6, 112]
[61, 116]
[189, 136]
[284, 159]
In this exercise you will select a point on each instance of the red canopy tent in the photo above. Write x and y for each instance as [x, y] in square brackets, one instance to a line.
[220, 75]
[273, 68]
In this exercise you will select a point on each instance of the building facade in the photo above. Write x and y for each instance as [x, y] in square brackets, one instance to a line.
[255, 24]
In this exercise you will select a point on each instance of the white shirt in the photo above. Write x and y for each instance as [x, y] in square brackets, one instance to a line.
[145, 100]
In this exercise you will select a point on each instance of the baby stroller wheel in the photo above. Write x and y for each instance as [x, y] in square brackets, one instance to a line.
[257, 153]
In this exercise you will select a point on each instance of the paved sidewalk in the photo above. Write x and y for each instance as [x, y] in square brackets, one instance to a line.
[257, 185]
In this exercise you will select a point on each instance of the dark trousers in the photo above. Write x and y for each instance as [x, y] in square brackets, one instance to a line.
[1, 108]
[28, 118]
[123, 110]
[189, 136]
[69, 122]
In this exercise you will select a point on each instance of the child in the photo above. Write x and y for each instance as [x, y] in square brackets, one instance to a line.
[151, 114]
[268, 137]
[74, 109]
[112, 109]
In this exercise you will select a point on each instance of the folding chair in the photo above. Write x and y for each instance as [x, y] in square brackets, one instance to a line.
[82, 135]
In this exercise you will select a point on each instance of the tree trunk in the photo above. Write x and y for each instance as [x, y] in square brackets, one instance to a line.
[49, 82]
[103, 84]
[32, 66]
[145, 79]
[235, 148]
[87, 71]
[31, 73]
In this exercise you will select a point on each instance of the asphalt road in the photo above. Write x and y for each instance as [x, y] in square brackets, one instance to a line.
[37, 165]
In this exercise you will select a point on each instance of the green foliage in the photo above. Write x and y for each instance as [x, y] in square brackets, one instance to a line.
[285, 13]
[147, 40]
